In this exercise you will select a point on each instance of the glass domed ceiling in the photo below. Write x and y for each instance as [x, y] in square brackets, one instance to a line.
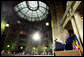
[32, 10]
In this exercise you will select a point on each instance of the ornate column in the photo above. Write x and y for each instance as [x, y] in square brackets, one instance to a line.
[79, 24]
[53, 22]
[75, 30]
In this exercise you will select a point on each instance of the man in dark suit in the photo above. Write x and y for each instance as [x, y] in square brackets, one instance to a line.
[69, 42]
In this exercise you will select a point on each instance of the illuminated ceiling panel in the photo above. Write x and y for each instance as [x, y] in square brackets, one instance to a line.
[32, 10]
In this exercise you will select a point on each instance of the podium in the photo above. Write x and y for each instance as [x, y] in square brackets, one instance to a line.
[68, 53]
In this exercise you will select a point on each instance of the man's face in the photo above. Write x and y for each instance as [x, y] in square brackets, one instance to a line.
[66, 35]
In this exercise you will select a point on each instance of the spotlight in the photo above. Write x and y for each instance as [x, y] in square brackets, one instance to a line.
[36, 36]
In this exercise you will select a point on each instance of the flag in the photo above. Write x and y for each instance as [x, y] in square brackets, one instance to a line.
[76, 45]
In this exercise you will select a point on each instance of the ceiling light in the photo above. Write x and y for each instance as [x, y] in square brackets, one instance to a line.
[8, 46]
[34, 48]
[21, 47]
[7, 25]
[47, 24]
[45, 47]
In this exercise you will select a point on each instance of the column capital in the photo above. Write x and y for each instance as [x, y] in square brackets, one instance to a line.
[76, 13]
